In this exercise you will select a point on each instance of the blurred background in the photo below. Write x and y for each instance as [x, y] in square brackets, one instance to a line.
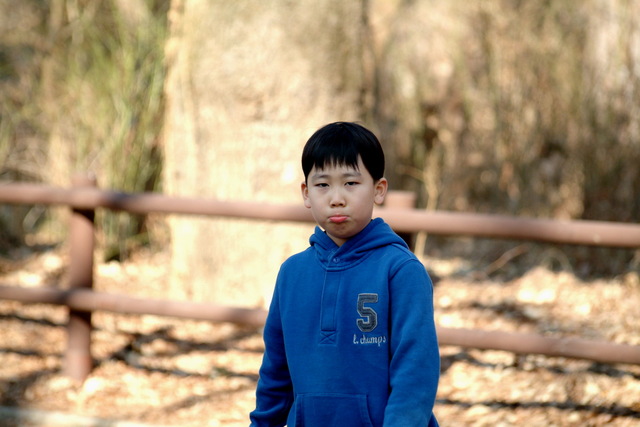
[524, 108]
[520, 107]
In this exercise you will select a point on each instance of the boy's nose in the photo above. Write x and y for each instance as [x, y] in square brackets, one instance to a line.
[337, 199]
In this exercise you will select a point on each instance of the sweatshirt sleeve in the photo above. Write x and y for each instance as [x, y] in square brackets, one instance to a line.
[274, 394]
[415, 358]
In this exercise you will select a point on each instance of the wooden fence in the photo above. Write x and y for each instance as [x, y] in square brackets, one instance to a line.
[84, 198]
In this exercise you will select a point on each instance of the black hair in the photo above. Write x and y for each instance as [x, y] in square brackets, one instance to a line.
[341, 143]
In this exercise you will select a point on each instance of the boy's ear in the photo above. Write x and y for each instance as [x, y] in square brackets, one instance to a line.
[381, 188]
[305, 194]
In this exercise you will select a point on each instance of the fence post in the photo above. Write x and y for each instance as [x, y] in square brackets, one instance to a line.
[78, 361]
[398, 199]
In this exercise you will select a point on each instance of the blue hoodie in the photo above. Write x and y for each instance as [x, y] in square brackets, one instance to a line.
[350, 338]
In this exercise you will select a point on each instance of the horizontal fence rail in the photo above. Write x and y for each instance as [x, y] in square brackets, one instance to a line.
[575, 232]
[519, 343]
[88, 301]
[81, 300]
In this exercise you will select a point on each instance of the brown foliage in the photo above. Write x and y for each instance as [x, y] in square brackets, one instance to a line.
[527, 108]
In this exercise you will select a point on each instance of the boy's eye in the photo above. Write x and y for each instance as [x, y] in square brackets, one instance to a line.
[322, 184]
[351, 183]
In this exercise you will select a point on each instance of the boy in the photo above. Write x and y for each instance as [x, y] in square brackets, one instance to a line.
[350, 338]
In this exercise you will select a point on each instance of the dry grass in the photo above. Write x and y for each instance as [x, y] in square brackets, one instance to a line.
[528, 108]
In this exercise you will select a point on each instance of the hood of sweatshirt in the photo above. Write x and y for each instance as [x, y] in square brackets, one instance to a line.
[376, 234]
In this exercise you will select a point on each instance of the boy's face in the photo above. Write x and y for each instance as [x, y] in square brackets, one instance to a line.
[341, 199]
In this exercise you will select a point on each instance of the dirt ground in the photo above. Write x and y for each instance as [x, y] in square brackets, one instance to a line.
[160, 371]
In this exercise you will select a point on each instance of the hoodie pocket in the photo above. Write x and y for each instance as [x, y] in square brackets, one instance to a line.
[332, 410]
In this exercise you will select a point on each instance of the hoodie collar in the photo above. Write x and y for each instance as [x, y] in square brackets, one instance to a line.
[376, 234]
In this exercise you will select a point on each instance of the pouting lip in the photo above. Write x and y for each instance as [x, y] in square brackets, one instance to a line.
[337, 219]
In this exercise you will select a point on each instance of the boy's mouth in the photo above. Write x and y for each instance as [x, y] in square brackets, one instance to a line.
[337, 219]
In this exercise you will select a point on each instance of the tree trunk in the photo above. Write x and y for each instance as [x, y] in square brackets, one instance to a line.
[248, 82]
